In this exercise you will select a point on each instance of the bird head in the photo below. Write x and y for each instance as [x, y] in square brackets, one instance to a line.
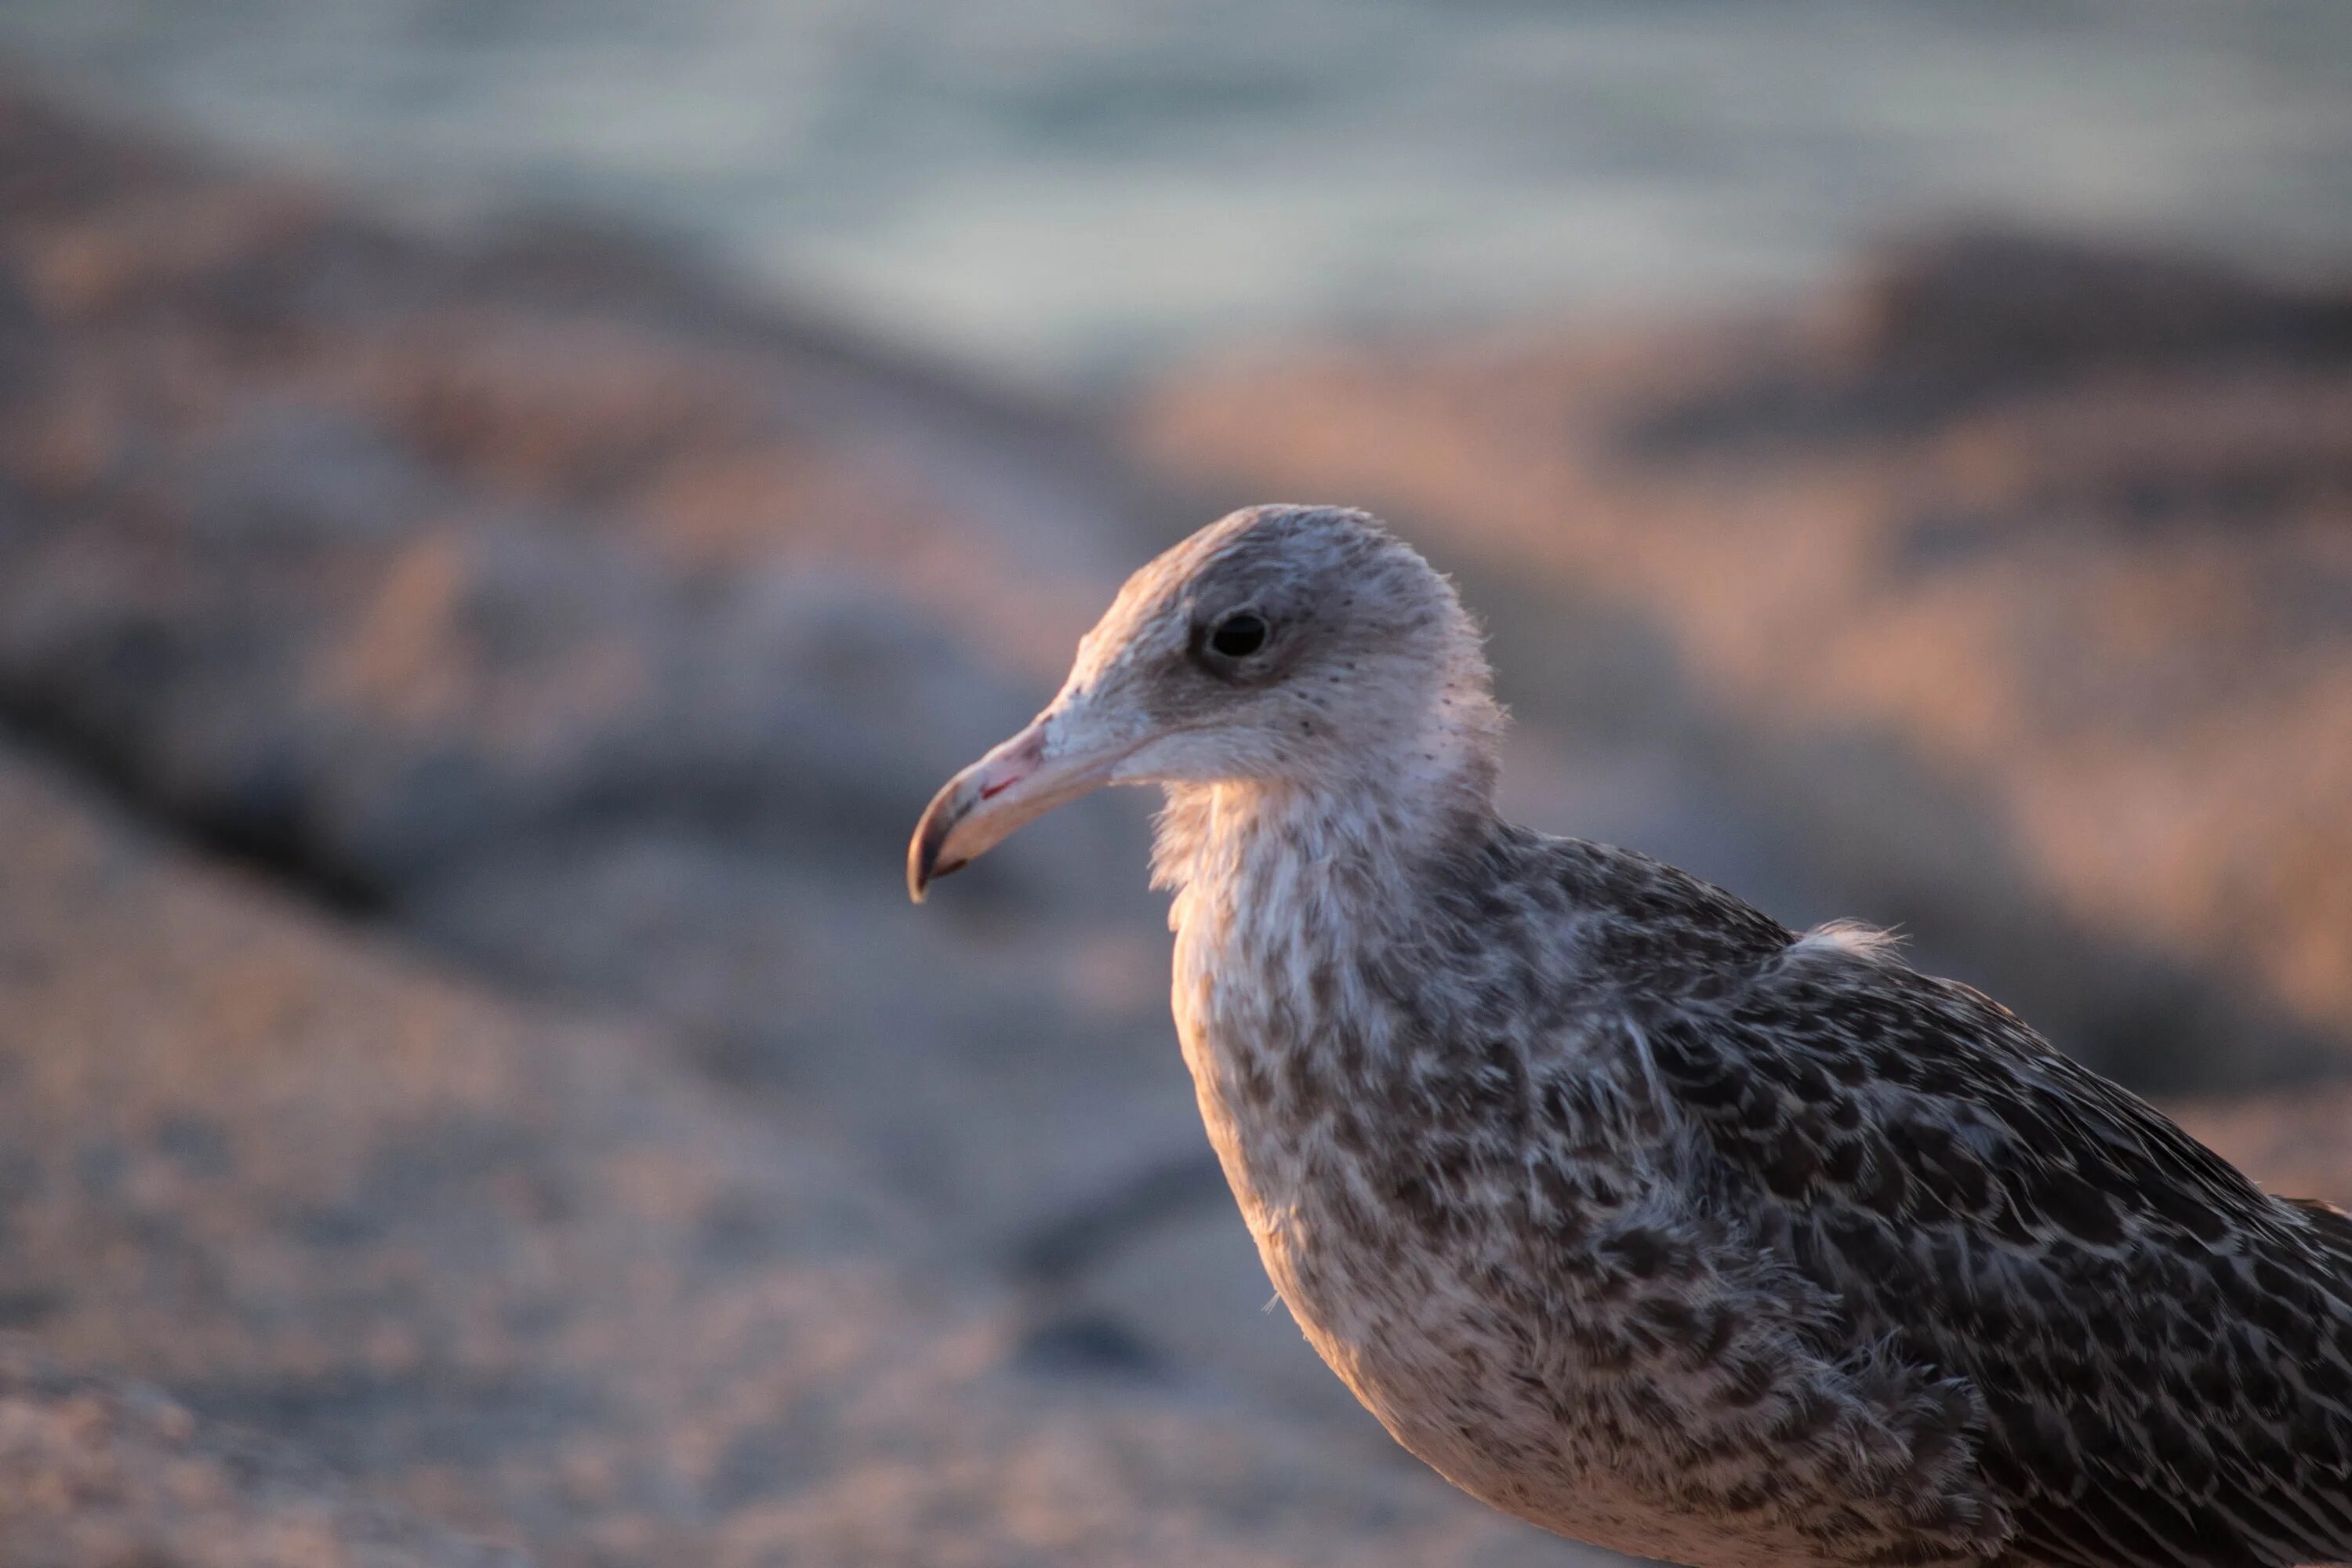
[1289, 646]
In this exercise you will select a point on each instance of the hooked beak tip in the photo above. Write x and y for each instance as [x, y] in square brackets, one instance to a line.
[924, 862]
[1016, 783]
[920, 875]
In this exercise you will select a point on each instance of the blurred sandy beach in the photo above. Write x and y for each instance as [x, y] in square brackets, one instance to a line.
[471, 1088]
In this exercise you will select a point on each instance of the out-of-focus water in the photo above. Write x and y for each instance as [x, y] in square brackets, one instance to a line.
[1062, 188]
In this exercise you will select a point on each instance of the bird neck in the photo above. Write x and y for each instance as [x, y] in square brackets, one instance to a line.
[1295, 904]
[1345, 853]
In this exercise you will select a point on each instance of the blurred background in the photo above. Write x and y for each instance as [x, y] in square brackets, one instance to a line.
[508, 510]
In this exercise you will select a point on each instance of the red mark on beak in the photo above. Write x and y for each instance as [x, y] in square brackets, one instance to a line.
[1012, 767]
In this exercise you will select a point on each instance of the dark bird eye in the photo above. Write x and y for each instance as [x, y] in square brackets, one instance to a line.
[1239, 634]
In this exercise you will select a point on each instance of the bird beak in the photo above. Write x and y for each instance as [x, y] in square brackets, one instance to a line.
[1043, 766]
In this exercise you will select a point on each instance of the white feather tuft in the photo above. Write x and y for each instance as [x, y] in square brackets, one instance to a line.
[1855, 937]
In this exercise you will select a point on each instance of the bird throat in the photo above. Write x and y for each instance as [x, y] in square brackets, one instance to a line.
[1359, 828]
[1294, 902]
[1329, 856]
[1302, 913]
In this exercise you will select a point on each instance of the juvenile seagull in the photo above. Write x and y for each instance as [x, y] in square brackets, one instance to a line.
[1634, 1212]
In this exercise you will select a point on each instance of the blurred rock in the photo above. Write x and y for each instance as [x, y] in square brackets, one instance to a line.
[97, 1473]
[1986, 310]
[1943, 327]
[537, 599]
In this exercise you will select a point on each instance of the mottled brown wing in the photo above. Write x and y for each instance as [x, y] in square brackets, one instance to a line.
[2165, 1352]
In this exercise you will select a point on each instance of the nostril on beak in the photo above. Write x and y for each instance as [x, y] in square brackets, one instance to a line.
[1018, 782]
